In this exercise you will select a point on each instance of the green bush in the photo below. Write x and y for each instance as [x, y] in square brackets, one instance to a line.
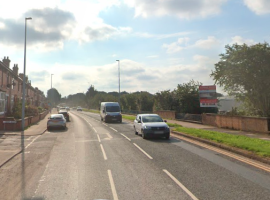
[31, 111]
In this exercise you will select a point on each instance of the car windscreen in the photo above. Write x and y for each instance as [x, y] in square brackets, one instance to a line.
[146, 119]
[112, 109]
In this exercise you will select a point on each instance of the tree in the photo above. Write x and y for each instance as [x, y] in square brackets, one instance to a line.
[244, 72]
[91, 92]
[188, 97]
[53, 96]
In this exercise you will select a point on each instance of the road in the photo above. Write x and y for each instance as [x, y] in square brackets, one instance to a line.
[93, 160]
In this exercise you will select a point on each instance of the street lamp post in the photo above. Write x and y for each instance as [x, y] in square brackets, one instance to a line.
[51, 80]
[119, 81]
[24, 72]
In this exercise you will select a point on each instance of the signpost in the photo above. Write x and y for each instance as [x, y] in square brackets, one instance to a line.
[208, 96]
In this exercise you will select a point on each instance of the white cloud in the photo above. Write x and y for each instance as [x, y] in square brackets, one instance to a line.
[181, 8]
[239, 40]
[152, 56]
[209, 43]
[260, 7]
[176, 46]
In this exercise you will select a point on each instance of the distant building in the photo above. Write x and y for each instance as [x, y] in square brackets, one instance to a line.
[226, 103]
[11, 88]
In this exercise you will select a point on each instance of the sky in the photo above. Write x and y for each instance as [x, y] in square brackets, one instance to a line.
[160, 43]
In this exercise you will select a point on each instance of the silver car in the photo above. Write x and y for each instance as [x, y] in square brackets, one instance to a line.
[151, 125]
[56, 121]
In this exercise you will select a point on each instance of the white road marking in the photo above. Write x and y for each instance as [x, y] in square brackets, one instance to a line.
[115, 197]
[29, 138]
[109, 135]
[180, 185]
[113, 129]
[104, 124]
[90, 124]
[94, 129]
[142, 151]
[125, 137]
[32, 141]
[98, 138]
[104, 154]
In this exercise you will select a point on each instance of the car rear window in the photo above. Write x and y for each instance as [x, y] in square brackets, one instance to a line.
[152, 119]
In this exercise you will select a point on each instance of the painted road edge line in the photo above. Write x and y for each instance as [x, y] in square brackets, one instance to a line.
[103, 152]
[98, 138]
[104, 124]
[32, 141]
[180, 185]
[113, 129]
[143, 151]
[125, 137]
[94, 129]
[115, 197]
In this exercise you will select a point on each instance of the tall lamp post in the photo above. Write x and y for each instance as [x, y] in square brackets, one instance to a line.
[51, 80]
[23, 110]
[24, 70]
[119, 81]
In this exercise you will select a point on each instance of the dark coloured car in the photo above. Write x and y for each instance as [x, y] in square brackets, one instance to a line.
[65, 113]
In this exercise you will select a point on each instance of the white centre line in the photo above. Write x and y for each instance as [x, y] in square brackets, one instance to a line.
[104, 154]
[98, 137]
[104, 124]
[143, 151]
[125, 137]
[180, 185]
[115, 197]
[94, 129]
[113, 129]
[32, 141]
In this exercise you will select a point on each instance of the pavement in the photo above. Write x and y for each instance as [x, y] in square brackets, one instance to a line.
[10, 141]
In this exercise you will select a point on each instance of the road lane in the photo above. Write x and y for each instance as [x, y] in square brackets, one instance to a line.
[208, 174]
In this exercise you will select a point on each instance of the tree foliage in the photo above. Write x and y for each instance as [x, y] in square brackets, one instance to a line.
[53, 96]
[244, 72]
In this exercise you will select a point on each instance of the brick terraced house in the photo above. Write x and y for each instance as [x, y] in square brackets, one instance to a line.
[11, 85]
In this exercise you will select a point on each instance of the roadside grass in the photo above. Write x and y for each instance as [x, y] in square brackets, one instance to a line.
[129, 117]
[90, 110]
[257, 146]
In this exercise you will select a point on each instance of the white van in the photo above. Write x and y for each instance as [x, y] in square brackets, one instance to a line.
[110, 112]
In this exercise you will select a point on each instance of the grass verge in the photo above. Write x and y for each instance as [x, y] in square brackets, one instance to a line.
[90, 110]
[257, 146]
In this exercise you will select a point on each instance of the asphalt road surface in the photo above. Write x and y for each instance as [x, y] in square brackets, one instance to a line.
[93, 160]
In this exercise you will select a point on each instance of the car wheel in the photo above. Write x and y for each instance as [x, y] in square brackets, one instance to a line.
[48, 128]
[136, 133]
[167, 137]
[143, 135]
[101, 119]
[120, 121]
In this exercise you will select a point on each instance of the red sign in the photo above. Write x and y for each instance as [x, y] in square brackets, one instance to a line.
[207, 87]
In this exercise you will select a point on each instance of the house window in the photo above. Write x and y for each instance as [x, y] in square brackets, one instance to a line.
[2, 102]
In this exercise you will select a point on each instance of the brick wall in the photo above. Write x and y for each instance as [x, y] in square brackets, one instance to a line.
[238, 123]
[166, 114]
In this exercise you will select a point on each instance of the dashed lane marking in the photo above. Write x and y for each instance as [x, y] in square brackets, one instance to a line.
[143, 151]
[180, 185]
[115, 197]
[113, 129]
[125, 137]
[103, 152]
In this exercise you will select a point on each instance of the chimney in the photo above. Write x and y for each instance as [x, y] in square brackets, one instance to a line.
[21, 76]
[16, 69]
[6, 62]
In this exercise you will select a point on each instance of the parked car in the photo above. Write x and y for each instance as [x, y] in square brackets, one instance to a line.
[56, 121]
[151, 125]
[79, 108]
[67, 108]
[65, 113]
